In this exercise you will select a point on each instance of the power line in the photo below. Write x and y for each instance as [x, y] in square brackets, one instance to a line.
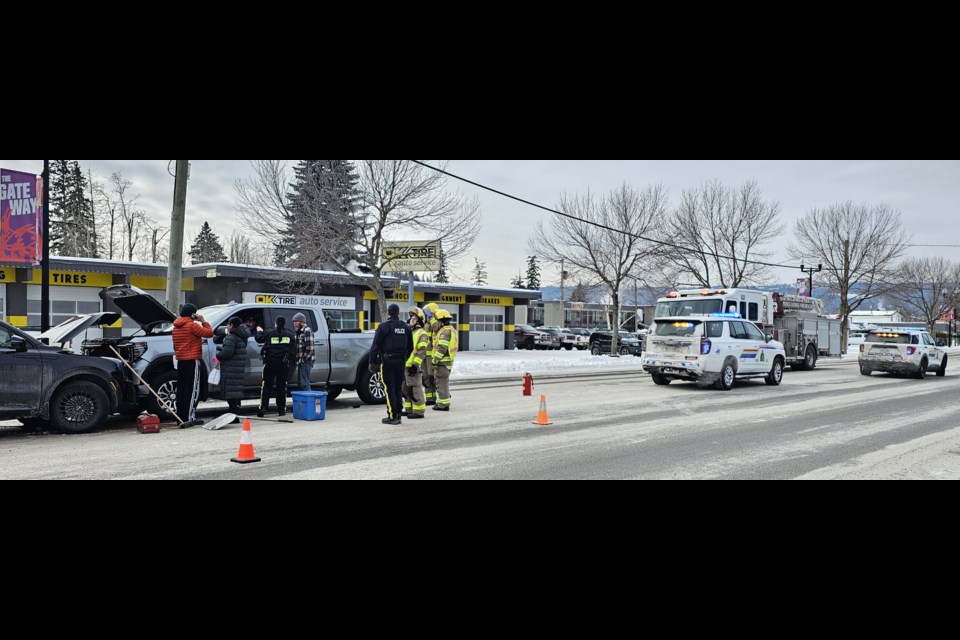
[602, 226]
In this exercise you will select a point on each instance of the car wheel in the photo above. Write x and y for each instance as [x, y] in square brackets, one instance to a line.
[922, 372]
[78, 407]
[370, 388]
[624, 351]
[165, 386]
[865, 371]
[942, 371]
[727, 376]
[528, 344]
[776, 373]
[809, 359]
[333, 392]
[568, 347]
[595, 350]
[660, 379]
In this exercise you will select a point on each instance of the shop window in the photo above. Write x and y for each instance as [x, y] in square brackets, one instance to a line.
[60, 311]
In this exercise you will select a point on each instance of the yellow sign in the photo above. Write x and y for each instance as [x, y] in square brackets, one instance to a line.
[499, 301]
[73, 279]
[453, 298]
[7, 275]
[411, 256]
[394, 296]
[155, 283]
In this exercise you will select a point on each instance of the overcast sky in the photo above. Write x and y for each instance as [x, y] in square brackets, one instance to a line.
[927, 193]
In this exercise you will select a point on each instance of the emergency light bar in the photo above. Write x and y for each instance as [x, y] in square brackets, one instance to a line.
[728, 314]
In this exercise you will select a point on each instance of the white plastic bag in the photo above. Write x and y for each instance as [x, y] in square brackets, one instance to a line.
[214, 377]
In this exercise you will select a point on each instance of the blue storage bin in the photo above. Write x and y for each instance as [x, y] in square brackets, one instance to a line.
[309, 405]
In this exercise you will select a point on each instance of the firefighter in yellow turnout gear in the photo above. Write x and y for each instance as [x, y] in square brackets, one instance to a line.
[444, 353]
[432, 326]
[414, 402]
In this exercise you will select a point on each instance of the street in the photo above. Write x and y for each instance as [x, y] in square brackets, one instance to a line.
[824, 424]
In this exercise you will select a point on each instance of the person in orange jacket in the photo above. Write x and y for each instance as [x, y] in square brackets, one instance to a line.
[189, 330]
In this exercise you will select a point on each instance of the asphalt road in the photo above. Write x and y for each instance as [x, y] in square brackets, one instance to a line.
[827, 423]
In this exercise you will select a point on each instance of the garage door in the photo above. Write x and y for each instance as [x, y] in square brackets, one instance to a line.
[486, 327]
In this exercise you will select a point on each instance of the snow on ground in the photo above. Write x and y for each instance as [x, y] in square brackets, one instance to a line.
[495, 364]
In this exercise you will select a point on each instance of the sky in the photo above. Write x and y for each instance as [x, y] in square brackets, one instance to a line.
[926, 192]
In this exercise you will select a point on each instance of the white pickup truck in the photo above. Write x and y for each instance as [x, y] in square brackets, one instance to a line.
[341, 356]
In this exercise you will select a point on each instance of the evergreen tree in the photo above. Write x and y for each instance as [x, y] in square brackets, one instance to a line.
[323, 199]
[579, 293]
[442, 273]
[533, 273]
[517, 283]
[479, 272]
[207, 247]
[72, 230]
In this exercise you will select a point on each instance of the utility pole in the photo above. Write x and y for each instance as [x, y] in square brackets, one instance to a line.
[811, 271]
[563, 275]
[175, 259]
[45, 256]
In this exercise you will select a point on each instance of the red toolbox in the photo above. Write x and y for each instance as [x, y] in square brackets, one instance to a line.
[148, 423]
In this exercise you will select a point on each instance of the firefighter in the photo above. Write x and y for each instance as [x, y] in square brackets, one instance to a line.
[392, 345]
[279, 351]
[414, 402]
[431, 327]
[444, 352]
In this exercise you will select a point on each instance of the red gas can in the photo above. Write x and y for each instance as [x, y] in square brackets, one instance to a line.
[148, 423]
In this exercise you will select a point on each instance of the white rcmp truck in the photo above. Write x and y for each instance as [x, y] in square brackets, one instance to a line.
[794, 321]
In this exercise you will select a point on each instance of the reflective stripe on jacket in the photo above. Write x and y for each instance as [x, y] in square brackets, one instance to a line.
[421, 343]
[446, 347]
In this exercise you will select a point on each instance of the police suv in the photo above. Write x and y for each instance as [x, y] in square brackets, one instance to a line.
[911, 351]
[714, 349]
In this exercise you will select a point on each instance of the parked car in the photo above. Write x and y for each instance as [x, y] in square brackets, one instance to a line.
[526, 337]
[570, 340]
[151, 353]
[602, 341]
[50, 385]
[910, 351]
[713, 350]
[555, 341]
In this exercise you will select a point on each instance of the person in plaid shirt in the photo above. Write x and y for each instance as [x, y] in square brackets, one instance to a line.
[305, 351]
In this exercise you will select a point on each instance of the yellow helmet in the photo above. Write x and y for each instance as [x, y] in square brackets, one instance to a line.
[417, 311]
[443, 314]
[430, 308]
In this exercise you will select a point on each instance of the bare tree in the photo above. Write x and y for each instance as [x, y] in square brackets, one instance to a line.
[602, 243]
[858, 246]
[238, 248]
[719, 230]
[926, 288]
[398, 200]
[261, 200]
[107, 220]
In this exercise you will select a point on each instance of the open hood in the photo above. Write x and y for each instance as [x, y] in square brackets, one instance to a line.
[66, 331]
[139, 305]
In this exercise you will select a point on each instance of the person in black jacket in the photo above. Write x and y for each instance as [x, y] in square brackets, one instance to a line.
[233, 363]
[392, 345]
[279, 352]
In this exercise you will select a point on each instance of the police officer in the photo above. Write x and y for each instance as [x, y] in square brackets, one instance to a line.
[279, 351]
[392, 345]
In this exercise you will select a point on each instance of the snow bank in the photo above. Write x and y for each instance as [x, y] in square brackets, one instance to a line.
[483, 364]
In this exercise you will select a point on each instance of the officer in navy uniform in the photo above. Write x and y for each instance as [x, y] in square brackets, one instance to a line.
[279, 351]
[392, 345]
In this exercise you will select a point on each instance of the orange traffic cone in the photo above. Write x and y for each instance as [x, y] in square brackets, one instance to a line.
[542, 414]
[246, 454]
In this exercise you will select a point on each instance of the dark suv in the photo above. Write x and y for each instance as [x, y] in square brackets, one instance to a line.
[45, 385]
[627, 343]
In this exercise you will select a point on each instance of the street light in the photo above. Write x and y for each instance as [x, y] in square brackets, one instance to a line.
[811, 271]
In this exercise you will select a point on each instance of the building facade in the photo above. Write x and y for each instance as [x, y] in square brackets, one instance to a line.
[484, 316]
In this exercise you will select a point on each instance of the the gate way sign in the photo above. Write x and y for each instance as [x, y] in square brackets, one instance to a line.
[411, 256]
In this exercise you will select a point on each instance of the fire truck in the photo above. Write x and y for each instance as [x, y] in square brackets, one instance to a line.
[796, 321]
